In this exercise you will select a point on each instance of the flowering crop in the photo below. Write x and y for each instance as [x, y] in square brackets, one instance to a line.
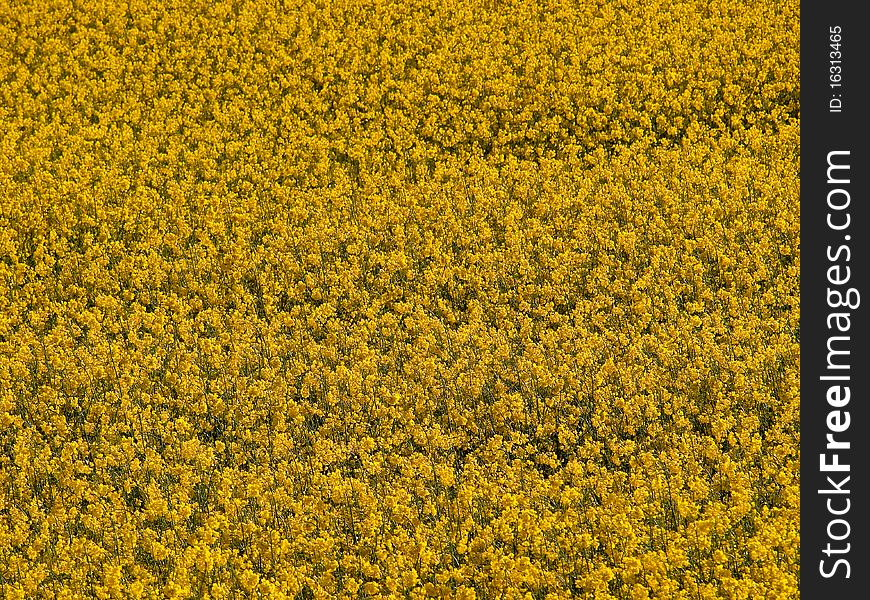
[399, 299]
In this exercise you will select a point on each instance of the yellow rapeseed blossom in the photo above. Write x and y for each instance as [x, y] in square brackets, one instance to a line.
[399, 299]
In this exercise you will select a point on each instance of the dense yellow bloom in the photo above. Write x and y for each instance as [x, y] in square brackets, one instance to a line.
[399, 299]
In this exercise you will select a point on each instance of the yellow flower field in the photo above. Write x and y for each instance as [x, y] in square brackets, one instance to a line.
[399, 299]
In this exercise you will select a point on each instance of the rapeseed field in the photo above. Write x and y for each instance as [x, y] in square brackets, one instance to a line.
[399, 299]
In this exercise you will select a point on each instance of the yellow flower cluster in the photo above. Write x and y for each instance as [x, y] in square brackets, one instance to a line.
[399, 299]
